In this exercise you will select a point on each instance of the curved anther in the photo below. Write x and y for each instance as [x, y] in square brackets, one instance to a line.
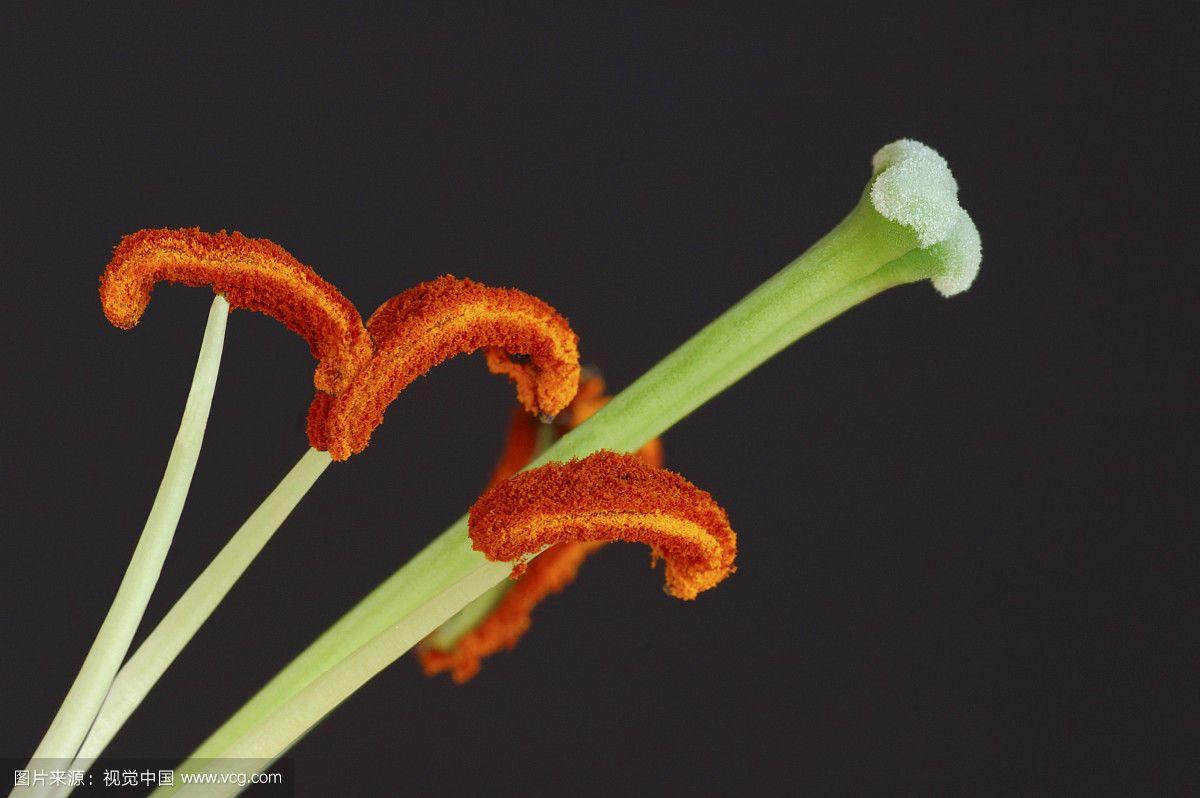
[608, 496]
[251, 273]
[551, 571]
[522, 336]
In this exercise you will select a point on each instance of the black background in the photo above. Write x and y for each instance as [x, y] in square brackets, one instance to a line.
[963, 538]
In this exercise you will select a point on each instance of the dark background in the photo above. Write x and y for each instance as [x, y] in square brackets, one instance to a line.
[965, 557]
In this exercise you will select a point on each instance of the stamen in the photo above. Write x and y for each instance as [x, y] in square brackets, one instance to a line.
[608, 496]
[251, 273]
[427, 324]
[551, 571]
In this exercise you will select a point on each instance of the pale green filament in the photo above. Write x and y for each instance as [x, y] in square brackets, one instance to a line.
[86, 695]
[180, 624]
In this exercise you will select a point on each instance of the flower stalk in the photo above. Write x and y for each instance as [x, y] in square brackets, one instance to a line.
[907, 227]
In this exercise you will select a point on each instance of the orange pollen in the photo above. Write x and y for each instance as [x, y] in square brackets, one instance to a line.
[251, 273]
[551, 571]
[608, 496]
[522, 337]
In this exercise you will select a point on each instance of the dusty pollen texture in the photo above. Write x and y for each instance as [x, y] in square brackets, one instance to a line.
[522, 336]
[608, 496]
[361, 368]
[251, 273]
[546, 575]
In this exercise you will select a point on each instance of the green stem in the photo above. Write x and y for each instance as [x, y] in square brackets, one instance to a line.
[87, 693]
[832, 276]
[803, 295]
[190, 612]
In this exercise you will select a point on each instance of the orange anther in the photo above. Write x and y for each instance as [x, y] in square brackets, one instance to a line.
[251, 273]
[551, 571]
[608, 496]
[522, 336]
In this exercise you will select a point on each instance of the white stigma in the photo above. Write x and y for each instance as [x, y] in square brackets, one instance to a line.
[914, 187]
[961, 253]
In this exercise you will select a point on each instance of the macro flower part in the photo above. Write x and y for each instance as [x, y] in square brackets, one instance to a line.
[251, 273]
[913, 186]
[508, 618]
[907, 226]
[954, 261]
[608, 496]
[523, 338]
[606, 506]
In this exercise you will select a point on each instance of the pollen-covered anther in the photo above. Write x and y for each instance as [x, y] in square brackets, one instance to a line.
[551, 571]
[251, 273]
[522, 336]
[608, 496]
